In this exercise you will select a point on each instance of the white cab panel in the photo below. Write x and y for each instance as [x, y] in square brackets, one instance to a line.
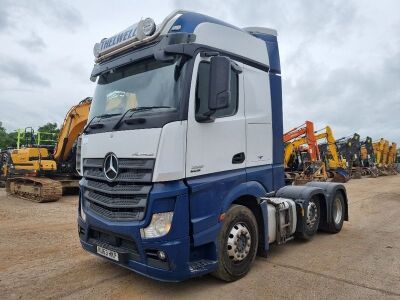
[258, 116]
[170, 162]
[232, 40]
[140, 143]
[211, 146]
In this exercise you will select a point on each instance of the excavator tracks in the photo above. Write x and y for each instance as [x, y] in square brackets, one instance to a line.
[35, 189]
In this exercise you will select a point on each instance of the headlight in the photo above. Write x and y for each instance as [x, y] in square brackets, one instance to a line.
[159, 226]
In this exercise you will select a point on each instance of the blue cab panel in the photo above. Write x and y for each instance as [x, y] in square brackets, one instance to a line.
[271, 42]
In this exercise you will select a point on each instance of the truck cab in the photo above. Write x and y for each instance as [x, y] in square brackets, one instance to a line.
[182, 157]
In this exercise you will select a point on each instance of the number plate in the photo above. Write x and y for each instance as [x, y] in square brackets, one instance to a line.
[107, 253]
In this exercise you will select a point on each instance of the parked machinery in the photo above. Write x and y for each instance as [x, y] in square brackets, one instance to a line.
[382, 150]
[28, 158]
[350, 150]
[336, 167]
[301, 156]
[368, 159]
[31, 172]
[398, 160]
[392, 159]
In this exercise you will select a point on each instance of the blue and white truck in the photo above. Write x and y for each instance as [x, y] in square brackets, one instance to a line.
[182, 159]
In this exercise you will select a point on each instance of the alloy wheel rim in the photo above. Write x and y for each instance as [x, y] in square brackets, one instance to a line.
[239, 242]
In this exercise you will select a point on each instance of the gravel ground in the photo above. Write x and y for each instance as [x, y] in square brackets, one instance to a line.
[40, 257]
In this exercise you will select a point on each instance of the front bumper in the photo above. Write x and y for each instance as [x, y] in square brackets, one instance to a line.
[177, 266]
[182, 261]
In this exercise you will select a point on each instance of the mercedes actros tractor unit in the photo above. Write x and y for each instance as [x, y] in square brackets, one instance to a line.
[182, 157]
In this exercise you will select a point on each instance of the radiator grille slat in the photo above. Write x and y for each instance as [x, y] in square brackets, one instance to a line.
[123, 199]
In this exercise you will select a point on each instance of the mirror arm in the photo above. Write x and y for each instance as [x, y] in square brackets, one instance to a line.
[207, 117]
[236, 68]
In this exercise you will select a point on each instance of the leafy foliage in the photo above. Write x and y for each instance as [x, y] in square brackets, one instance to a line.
[50, 128]
[9, 139]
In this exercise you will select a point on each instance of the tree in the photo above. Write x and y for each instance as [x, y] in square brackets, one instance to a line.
[51, 132]
[49, 128]
[6, 140]
[9, 140]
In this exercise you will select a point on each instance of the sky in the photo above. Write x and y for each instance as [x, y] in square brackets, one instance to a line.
[340, 60]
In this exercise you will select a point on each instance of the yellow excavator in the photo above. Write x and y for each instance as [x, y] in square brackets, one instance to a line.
[31, 172]
[385, 154]
[368, 158]
[336, 166]
[392, 157]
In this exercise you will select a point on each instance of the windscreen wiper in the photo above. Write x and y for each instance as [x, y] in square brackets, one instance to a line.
[103, 116]
[135, 109]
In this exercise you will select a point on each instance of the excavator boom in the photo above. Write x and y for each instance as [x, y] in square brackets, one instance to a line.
[306, 130]
[73, 124]
[299, 141]
[330, 155]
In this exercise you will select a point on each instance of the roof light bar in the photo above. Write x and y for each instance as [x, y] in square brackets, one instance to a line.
[141, 32]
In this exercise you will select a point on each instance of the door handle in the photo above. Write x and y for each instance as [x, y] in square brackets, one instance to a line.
[238, 158]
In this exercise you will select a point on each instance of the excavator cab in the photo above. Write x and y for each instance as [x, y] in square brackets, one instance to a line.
[350, 150]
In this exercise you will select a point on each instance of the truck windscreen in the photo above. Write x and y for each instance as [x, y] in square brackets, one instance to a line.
[142, 84]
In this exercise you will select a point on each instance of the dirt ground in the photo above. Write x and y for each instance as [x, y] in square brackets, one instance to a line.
[40, 257]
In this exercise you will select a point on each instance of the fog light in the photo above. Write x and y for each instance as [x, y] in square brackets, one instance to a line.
[161, 255]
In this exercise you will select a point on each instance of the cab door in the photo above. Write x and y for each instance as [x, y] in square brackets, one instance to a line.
[216, 152]
[218, 145]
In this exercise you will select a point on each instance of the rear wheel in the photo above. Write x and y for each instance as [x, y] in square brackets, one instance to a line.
[237, 243]
[337, 213]
[312, 217]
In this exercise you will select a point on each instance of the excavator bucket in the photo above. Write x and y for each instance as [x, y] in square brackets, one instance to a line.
[339, 175]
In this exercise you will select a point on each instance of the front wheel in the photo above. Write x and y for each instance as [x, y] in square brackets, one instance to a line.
[237, 243]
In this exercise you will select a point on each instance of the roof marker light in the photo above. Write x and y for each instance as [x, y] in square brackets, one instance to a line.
[148, 26]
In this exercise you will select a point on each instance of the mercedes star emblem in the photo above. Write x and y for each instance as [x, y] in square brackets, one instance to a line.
[110, 167]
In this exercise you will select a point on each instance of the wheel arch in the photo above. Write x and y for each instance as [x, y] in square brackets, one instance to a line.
[330, 189]
[248, 195]
[302, 195]
[253, 203]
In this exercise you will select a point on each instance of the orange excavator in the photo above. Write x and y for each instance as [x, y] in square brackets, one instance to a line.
[306, 131]
[301, 155]
[31, 172]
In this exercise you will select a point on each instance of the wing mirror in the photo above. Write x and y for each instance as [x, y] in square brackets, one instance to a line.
[220, 83]
[219, 94]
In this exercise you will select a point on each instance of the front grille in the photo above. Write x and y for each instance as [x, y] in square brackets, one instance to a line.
[125, 198]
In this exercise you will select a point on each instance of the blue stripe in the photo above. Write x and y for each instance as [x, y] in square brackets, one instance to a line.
[271, 42]
[277, 128]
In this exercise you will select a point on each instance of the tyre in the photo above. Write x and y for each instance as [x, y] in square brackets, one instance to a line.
[338, 210]
[312, 217]
[237, 244]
